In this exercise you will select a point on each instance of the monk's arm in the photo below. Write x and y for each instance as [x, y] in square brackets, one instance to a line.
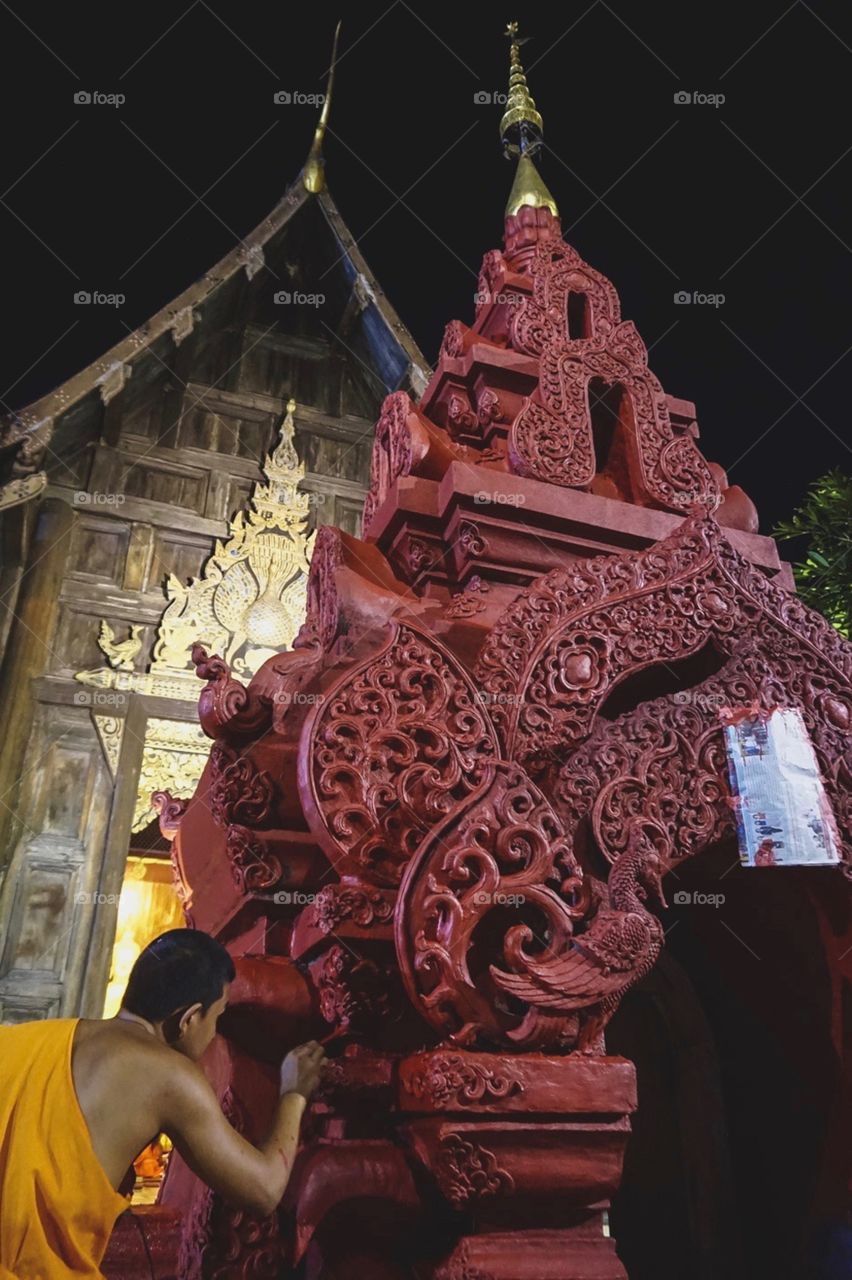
[249, 1177]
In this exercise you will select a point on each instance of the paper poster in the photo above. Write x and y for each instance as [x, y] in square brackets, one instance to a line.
[783, 815]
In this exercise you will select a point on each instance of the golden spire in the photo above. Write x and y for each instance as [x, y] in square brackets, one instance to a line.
[313, 174]
[529, 188]
[521, 129]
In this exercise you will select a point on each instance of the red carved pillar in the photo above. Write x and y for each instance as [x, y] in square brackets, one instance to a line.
[530, 1150]
[437, 830]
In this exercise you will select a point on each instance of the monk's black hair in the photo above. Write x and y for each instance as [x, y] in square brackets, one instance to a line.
[180, 968]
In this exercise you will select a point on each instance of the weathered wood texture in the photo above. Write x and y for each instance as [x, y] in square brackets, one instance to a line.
[142, 481]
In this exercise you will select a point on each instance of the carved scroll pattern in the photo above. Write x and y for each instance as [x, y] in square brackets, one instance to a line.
[492, 270]
[557, 269]
[468, 1171]
[562, 645]
[451, 1080]
[395, 744]
[504, 847]
[322, 611]
[551, 439]
[560, 604]
[665, 763]
[242, 797]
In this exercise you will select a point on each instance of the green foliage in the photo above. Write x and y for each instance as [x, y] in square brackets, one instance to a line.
[824, 578]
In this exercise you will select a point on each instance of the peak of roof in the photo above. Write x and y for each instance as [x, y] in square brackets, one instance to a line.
[32, 426]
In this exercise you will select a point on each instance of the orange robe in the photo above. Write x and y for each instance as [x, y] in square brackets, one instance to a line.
[57, 1207]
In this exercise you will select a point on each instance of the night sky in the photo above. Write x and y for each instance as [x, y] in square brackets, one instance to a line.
[748, 199]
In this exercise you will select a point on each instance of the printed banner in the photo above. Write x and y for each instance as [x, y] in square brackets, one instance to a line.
[783, 815]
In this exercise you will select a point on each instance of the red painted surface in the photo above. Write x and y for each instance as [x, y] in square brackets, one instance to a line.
[144, 1245]
[510, 684]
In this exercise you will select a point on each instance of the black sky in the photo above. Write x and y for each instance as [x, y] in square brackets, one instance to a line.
[749, 199]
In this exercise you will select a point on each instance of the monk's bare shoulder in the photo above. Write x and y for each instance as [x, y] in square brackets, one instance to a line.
[106, 1053]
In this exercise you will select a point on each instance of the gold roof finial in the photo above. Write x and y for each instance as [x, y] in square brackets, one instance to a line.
[521, 130]
[313, 174]
[521, 127]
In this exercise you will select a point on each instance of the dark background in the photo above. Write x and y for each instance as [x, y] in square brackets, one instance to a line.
[749, 199]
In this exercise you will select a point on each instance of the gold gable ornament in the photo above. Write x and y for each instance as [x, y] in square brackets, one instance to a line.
[249, 602]
[247, 605]
[173, 759]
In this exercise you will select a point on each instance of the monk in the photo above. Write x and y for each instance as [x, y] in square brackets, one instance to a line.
[80, 1098]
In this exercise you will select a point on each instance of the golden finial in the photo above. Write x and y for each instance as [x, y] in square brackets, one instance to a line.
[313, 174]
[529, 188]
[521, 130]
[521, 127]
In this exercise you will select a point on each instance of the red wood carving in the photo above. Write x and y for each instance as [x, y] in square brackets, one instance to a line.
[225, 703]
[552, 437]
[397, 740]
[472, 724]
[221, 1243]
[171, 809]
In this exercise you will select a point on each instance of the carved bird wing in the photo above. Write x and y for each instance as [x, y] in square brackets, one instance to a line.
[609, 957]
[234, 596]
[106, 634]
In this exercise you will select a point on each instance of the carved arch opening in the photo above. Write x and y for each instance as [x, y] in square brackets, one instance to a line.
[612, 422]
[680, 678]
[578, 314]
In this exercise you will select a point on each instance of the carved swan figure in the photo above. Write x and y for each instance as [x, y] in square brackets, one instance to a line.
[618, 948]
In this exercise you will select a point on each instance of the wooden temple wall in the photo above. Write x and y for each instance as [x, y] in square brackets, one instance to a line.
[140, 487]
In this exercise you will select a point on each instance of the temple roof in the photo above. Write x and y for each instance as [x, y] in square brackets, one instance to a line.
[387, 343]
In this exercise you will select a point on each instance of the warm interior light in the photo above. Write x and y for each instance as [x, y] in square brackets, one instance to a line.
[148, 906]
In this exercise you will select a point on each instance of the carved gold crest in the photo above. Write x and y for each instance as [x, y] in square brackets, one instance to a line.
[249, 602]
[247, 605]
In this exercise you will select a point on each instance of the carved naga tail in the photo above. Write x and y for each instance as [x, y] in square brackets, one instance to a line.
[498, 859]
[403, 786]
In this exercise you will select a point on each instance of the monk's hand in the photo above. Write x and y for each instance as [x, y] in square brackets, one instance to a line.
[302, 1068]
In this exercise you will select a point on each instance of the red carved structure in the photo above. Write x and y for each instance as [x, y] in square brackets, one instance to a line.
[437, 830]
